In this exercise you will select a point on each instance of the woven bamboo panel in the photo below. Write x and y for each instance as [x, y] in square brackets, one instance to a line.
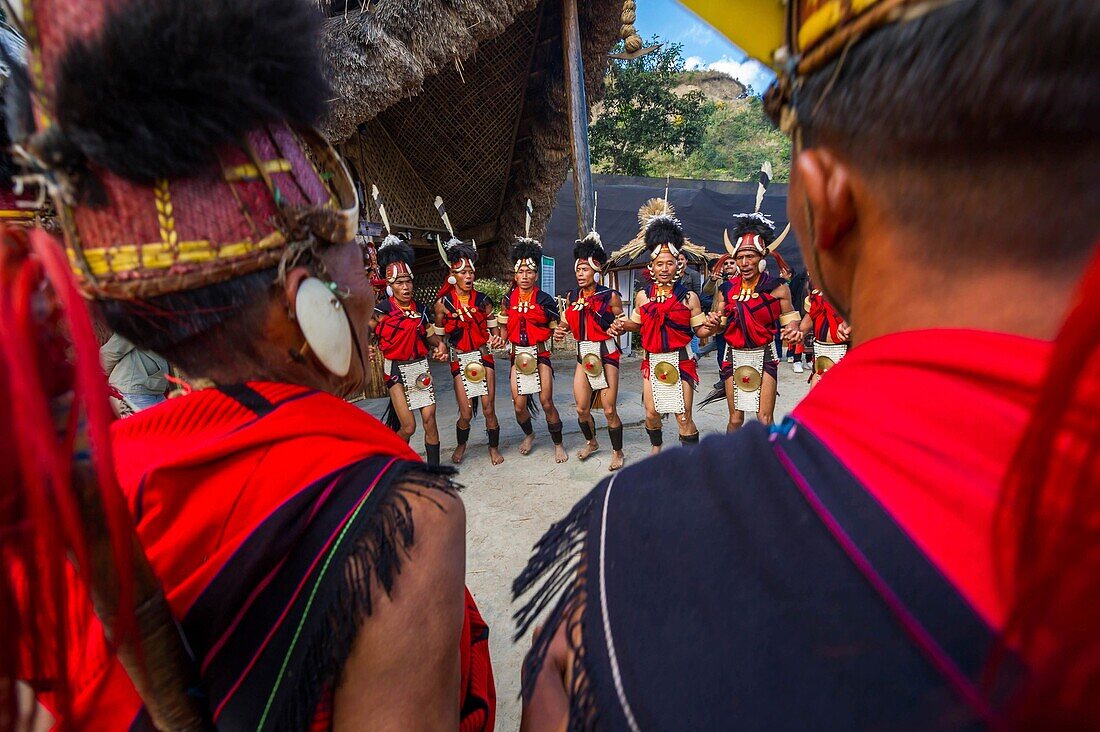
[475, 129]
[378, 160]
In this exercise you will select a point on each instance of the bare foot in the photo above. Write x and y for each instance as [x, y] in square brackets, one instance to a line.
[495, 456]
[589, 447]
[560, 455]
[459, 454]
[655, 449]
[617, 460]
[526, 445]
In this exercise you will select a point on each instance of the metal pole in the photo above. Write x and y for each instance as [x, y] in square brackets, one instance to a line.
[583, 191]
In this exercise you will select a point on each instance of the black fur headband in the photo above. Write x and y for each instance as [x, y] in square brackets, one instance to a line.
[664, 230]
[590, 247]
[394, 249]
[457, 249]
[755, 223]
[164, 84]
[525, 248]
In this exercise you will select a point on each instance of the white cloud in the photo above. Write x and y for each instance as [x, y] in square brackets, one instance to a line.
[698, 35]
[694, 63]
[747, 71]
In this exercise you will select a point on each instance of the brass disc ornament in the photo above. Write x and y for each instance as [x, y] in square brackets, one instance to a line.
[823, 364]
[526, 364]
[475, 372]
[746, 378]
[666, 373]
[593, 365]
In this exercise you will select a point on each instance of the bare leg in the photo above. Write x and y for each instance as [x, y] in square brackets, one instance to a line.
[553, 419]
[465, 417]
[523, 414]
[431, 434]
[489, 407]
[609, 400]
[652, 417]
[582, 395]
[768, 390]
[737, 417]
[401, 408]
[685, 421]
[431, 429]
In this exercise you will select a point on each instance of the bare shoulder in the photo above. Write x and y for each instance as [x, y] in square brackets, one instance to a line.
[418, 613]
[434, 504]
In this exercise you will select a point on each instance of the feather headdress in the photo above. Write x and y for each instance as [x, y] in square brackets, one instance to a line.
[658, 226]
[455, 250]
[395, 250]
[755, 230]
[590, 249]
[526, 249]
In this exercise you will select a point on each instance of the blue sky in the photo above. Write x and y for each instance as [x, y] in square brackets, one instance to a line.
[704, 48]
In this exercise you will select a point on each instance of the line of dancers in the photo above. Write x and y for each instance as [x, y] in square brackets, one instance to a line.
[463, 329]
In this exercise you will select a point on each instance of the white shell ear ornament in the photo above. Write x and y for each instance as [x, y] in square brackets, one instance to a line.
[452, 280]
[763, 266]
[389, 290]
[324, 324]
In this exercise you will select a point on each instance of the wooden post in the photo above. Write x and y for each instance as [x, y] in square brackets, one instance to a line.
[578, 116]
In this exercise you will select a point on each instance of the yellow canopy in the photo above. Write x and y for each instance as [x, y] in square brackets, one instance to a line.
[755, 26]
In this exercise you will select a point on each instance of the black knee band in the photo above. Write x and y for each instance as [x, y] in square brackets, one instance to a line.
[656, 437]
[616, 435]
[432, 451]
[526, 427]
[555, 432]
[587, 429]
[462, 434]
[689, 439]
[494, 437]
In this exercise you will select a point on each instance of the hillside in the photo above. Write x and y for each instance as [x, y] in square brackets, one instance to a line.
[737, 135]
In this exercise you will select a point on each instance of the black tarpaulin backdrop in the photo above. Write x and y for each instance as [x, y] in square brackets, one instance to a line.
[704, 208]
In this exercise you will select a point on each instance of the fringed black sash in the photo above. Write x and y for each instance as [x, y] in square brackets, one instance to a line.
[752, 583]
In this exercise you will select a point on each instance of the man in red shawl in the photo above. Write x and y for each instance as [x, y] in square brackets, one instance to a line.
[401, 325]
[917, 547]
[464, 318]
[314, 564]
[667, 315]
[754, 306]
[829, 331]
[530, 315]
[590, 309]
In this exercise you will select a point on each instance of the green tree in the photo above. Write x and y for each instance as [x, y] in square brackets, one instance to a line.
[642, 114]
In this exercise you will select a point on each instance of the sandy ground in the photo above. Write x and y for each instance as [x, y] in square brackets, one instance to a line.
[510, 506]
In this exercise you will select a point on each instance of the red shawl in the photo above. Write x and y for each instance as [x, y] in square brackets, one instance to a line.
[529, 322]
[826, 320]
[752, 322]
[666, 325]
[402, 335]
[243, 497]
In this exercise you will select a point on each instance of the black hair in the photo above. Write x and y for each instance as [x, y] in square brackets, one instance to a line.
[752, 224]
[196, 328]
[590, 247]
[125, 103]
[525, 248]
[393, 249]
[974, 117]
[457, 249]
[664, 230]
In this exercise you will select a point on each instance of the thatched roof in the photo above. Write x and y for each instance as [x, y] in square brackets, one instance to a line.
[463, 99]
